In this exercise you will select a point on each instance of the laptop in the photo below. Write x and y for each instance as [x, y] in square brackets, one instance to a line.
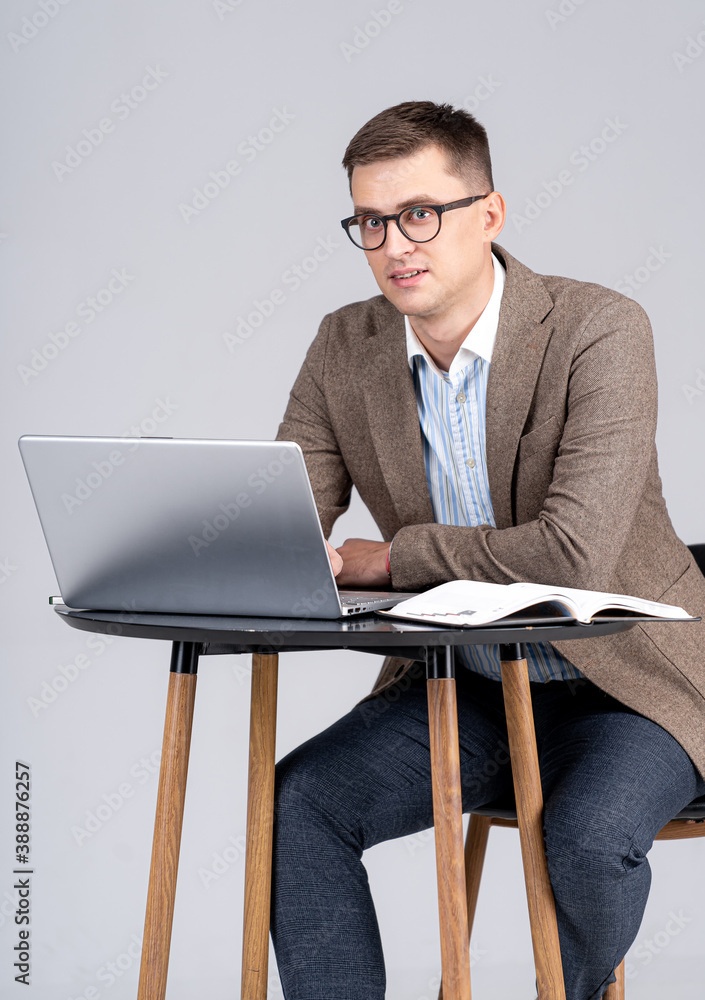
[193, 526]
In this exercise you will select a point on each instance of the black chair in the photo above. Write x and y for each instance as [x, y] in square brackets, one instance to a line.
[687, 824]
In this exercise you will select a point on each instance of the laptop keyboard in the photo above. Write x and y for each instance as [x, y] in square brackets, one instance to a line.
[370, 599]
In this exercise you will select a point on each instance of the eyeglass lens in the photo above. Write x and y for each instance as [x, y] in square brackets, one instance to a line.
[418, 223]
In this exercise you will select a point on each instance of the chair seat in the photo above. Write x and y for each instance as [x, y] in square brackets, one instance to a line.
[696, 810]
[505, 809]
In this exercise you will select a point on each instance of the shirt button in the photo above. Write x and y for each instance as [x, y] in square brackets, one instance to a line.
[470, 463]
[461, 397]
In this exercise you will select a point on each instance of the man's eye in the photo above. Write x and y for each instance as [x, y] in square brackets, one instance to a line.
[418, 215]
[371, 223]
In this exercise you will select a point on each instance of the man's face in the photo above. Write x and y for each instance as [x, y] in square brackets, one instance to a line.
[432, 279]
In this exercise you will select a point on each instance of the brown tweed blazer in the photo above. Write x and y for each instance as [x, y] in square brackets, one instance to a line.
[571, 417]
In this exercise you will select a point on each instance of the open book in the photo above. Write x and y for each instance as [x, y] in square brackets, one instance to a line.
[469, 602]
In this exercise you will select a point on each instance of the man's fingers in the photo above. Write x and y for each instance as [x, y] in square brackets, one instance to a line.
[336, 560]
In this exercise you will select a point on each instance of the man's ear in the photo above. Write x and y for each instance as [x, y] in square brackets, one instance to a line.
[494, 217]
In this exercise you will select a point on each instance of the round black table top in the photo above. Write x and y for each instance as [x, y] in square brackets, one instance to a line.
[369, 632]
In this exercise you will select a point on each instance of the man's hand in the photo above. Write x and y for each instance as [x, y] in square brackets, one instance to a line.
[336, 561]
[364, 563]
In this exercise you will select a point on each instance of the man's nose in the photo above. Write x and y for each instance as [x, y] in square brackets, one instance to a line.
[396, 242]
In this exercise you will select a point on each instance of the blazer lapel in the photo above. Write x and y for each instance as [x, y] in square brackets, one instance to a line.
[393, 420]
[522, 338]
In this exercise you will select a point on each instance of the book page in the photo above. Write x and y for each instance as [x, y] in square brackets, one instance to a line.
[589, 602]
[471, 602]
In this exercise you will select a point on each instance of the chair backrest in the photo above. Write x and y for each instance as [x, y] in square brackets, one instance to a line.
[699, 555]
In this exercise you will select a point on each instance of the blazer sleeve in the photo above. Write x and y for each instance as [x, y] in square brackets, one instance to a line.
[600, 469]
[307, 422]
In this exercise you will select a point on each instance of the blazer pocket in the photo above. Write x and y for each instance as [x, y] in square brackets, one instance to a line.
[544, 436]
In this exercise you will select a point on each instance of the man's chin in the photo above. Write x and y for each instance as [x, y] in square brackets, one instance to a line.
[404, 304]
[409, 301]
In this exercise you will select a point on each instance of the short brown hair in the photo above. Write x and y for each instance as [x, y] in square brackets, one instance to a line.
[408, 128]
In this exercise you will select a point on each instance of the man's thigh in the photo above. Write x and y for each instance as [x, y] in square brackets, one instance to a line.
[609, 775]
[371, 769]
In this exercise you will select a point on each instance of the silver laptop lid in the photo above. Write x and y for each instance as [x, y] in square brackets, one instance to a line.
[181, 525]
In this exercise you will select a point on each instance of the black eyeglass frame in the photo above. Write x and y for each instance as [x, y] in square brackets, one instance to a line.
[384, 219]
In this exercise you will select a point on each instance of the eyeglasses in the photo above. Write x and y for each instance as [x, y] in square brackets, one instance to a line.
[420, 223]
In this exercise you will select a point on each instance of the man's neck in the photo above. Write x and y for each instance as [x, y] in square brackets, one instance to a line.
[443, 335]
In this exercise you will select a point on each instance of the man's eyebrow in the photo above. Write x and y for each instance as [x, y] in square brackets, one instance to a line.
[418, 199]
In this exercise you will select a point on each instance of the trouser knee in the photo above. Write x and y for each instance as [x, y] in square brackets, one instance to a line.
[582, 850]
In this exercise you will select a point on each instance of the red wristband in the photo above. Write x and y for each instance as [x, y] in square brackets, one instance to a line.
[387, 564]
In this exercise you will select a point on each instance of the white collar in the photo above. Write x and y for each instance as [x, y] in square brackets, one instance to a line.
[478, 343]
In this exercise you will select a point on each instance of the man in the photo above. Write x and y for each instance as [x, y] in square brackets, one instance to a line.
[500, 426]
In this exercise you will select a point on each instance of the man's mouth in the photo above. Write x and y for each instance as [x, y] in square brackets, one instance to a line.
[407, 277]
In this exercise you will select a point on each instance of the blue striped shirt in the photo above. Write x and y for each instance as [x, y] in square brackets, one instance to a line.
[451, 408]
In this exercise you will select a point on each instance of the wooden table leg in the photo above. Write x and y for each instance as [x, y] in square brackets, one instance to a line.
[529, 803]
[615, 990]
[448, 822]
[167, 824]
[260, 825]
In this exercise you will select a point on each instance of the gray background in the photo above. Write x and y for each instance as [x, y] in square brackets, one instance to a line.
[164, 352]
